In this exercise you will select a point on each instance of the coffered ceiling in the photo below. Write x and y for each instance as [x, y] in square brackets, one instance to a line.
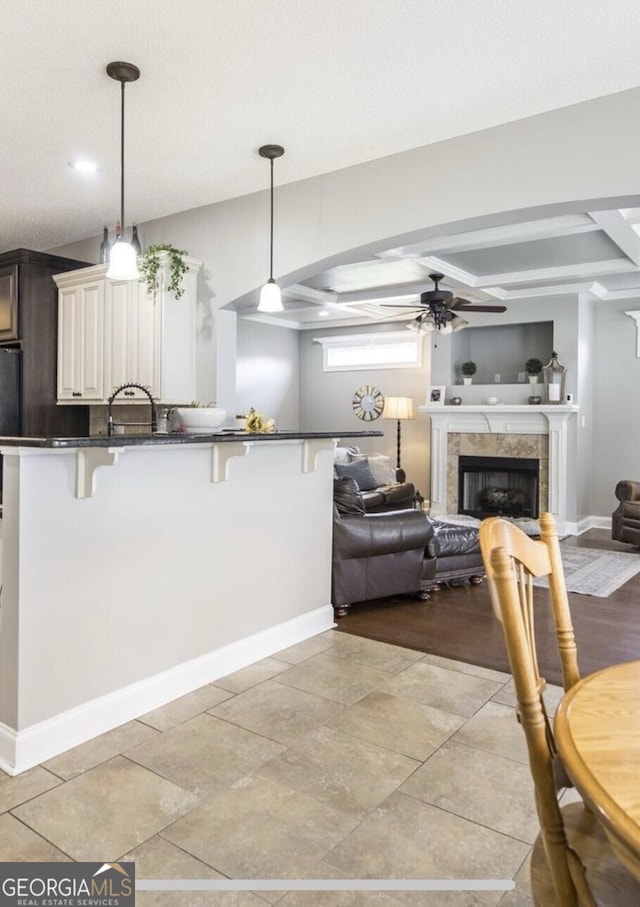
[591, 252]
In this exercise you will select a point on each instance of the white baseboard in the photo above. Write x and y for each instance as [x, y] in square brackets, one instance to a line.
[590, 522]
[600, 522]
[20, 750]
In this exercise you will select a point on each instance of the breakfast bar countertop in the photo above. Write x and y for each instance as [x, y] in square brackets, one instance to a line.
[151, 440]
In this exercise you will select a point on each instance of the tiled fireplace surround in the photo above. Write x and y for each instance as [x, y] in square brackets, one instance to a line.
[474, 444]
[528, 432]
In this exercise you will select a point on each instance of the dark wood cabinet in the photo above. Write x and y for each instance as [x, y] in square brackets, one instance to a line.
[29, 321]
[8, 303]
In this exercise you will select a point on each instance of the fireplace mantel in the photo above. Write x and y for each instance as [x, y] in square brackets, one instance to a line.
[505, 419]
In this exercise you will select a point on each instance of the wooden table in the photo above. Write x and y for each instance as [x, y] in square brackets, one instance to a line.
[597, 731]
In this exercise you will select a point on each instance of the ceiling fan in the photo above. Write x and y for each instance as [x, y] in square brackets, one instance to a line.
[438, 309]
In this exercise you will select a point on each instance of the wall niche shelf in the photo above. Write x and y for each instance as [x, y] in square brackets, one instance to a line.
[507, 394]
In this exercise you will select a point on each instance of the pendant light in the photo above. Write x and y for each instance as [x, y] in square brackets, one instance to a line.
[270, 295]
[123, 263]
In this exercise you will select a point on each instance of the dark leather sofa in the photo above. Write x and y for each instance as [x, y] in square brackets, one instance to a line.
[380, 492]
[402, 552]
[625, 520]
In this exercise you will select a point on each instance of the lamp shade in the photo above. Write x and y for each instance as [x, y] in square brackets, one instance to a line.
[123, 263]
[398, 408]
[458, 323]
[422, 324]
[270, 297]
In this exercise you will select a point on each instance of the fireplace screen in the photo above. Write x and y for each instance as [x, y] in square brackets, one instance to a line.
[498, 486]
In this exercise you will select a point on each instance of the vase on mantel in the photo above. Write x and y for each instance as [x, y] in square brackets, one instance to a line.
[533, 379]
[467, 380]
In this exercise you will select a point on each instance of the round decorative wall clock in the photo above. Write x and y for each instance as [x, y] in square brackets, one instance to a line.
[367, 403]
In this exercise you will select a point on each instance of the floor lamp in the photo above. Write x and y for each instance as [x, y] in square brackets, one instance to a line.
[398, 408]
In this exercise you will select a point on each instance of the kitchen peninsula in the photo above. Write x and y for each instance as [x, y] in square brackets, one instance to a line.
[139, 568]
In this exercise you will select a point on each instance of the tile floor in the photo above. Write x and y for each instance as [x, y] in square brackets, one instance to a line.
[340, 757]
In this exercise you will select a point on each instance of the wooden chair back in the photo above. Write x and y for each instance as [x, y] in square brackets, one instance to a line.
[558, 879]
[513, 560]
[496, 532]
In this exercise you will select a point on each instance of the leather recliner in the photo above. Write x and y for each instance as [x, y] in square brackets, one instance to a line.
[625, 520]
[402, 552]
[376, 555]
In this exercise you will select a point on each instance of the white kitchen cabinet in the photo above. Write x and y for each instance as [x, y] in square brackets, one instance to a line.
[112, 332]
[131, 339]
[80, 340]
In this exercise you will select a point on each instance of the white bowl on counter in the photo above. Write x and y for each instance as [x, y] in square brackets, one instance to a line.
[201, 420]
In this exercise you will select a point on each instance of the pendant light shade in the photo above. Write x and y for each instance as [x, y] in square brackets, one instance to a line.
[123, 263]
[123, 259]
[270, 295]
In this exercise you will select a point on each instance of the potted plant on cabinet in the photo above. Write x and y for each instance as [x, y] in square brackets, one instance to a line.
[468, 370]
[533, 368]
[153, 259]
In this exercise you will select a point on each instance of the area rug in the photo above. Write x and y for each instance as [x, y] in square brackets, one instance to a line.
[591, 571]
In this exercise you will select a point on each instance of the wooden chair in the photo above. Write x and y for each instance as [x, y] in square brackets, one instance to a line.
[558, 875]
[498, 533]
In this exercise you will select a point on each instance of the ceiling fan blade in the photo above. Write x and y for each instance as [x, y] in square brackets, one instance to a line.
[396, 305]
[456, 301]
[469, 307]
[405, 312]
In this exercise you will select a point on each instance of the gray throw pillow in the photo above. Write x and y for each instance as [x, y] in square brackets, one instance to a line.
[360, 471]
[383, 469]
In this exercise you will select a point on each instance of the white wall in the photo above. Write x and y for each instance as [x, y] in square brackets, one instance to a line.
[160, 582]
[551, 161]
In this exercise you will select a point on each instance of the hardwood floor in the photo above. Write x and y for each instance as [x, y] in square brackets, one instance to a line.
[459, 623]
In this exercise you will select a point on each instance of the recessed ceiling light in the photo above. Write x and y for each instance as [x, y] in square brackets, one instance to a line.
[83, 165]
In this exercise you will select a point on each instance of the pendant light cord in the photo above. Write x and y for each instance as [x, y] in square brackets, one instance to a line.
[271, 227]
[122, 158]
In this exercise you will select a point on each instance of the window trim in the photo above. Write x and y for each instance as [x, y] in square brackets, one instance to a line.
[370, 341]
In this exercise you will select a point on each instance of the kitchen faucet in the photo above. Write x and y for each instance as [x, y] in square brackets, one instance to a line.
[154, 413]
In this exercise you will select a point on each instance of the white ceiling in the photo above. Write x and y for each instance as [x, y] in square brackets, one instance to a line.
[336, 82]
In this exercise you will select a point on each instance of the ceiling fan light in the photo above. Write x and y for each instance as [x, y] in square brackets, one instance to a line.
[458, 323]
[446, 328]
[123, 262]
[270, 297]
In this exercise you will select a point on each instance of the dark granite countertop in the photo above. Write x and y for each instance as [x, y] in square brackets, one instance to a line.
[180, 438]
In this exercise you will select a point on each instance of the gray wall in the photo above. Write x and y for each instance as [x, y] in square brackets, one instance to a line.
[547, 162]
[616, 402]
[267, 372]
[325, 403]
[502, 349]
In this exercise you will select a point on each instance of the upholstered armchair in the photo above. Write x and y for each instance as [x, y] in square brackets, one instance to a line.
[625, 520]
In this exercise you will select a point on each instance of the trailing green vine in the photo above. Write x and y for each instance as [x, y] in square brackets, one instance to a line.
[151, 262]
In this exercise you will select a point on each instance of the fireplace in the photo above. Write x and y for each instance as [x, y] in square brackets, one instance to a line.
[498, 486]
[511, 430]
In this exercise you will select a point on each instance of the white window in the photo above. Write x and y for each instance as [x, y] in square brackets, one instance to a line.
[350, 352]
